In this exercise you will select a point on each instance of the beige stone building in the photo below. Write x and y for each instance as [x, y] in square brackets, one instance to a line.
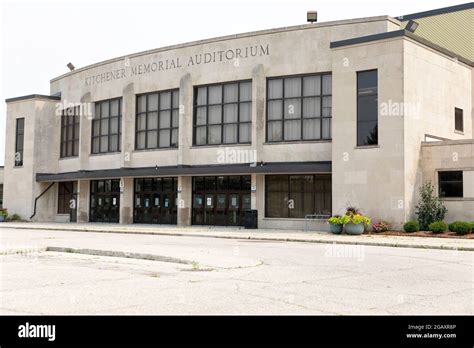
[288, 122]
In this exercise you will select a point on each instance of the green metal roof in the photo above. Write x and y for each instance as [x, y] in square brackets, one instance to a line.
[449, 27]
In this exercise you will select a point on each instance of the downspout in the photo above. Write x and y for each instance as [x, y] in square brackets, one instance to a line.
[36, 199]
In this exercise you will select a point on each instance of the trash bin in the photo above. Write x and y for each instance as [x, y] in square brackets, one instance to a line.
[251, 219]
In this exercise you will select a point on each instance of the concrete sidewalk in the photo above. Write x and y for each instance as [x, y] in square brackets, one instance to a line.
[260, 234]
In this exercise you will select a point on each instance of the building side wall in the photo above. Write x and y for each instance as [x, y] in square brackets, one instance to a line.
[452, 156]
[369, 178]
[433, 86]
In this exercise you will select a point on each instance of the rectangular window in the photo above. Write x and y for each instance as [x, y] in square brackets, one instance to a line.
[107, 126]
[1, 195]
[299, 108]
[70, 122]
[458, 120]
[294, 196]
[450, 184]
[223, 114]
[157, 121]
[367, 108]
[67, 192]
[19, 139]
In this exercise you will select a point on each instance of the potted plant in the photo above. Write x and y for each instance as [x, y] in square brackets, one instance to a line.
[3, 214]
[335, 224]
[355, 222]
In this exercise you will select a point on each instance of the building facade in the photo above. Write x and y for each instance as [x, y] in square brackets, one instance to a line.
[290, 122]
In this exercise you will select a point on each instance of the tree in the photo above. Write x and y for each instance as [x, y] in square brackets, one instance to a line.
[431, 208]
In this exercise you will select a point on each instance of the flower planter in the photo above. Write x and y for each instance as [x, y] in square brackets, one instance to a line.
[351, 228]
[335, 228]
[2, 218]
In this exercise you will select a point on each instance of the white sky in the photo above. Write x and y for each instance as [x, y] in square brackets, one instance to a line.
[38, 38]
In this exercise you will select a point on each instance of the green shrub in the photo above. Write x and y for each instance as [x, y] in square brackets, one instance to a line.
[14, 217]
[460, 227]
[472, 226]
[437, 227]
[431, 208]
[411, 226]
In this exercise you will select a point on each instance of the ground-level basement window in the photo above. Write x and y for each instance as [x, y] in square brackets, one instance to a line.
[450, 184]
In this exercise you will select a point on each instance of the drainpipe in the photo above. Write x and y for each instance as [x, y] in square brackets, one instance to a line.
[36, 199]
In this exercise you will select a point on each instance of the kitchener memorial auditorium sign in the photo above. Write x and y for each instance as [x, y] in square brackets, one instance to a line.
[178, 62]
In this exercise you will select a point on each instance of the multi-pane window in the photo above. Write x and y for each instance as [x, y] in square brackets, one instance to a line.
[450, 183]
[157, 120]
[458, 120]
[106, 126]
[67, 192]
[295, 196]
[367, 108]
[299, 108]
[19, 139]
[70, 122]
[223, 114]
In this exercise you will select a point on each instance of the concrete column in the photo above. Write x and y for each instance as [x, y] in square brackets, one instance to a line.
[254, 193]
[83, 200]
[88, 114]
[185, 196]
[259, 197]
[126, 201]
[258, 111]
[128, 125]
[185, 118]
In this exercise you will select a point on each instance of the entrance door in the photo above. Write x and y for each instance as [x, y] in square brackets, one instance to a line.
[105, 200]
[73, 209]
[155, 200]
[220, 200]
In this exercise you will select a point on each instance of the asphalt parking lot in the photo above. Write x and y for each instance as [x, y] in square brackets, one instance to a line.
[226, 276]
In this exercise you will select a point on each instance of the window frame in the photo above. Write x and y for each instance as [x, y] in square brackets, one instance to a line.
[70, 130]
[456, 110]
[357, 108]
[222, 105]
[440, 172]
[301, 98]
[108, 135]
[158, 111]
[289, 192]
[19, 149]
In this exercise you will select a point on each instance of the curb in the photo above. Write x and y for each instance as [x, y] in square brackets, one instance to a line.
[113, 253]
[248, 237]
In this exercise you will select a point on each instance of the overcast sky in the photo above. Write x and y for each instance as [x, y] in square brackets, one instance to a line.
[39, 38]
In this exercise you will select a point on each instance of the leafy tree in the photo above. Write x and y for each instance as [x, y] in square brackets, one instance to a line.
[431, 208]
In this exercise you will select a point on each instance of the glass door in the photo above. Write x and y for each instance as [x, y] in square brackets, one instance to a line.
[209, 209]
[220, 214]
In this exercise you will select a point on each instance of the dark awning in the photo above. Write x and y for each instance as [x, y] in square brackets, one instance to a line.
[222, 169]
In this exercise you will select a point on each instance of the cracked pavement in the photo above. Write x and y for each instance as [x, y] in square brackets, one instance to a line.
[227, 276]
